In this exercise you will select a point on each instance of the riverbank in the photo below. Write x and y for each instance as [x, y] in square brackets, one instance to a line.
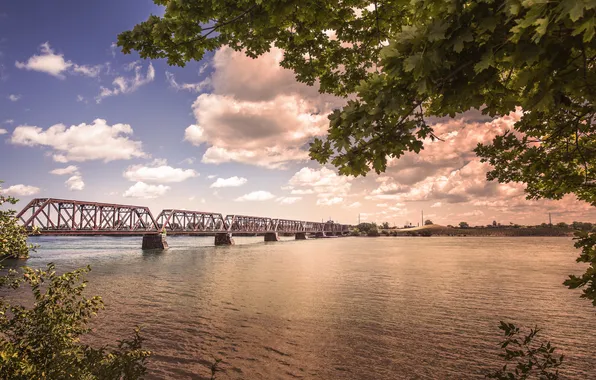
[438, 230]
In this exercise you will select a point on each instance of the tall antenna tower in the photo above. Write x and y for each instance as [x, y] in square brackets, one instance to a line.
[422, 221]
[550, 219]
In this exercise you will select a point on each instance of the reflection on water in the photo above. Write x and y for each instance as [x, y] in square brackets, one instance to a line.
[348, 308]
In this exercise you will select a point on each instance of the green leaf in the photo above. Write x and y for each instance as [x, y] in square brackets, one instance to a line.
[412, 62]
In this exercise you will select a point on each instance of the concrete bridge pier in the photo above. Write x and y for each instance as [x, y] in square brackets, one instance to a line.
[271, 236]
[154, 241]
[301, 236]
[223, 238]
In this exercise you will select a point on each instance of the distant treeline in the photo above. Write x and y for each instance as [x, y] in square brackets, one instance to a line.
[560, 229]
[494, 231]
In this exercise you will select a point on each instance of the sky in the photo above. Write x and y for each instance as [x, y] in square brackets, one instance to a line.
[80, 120]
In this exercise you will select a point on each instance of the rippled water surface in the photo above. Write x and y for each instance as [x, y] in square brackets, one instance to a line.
[345, 308]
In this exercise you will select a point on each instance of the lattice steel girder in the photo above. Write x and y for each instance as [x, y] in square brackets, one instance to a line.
[243, 223]
[49, 214]
[285, 225]
[63, 216]
[184, 220]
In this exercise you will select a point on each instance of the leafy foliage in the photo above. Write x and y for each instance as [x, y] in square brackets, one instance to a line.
[532, 360]
[404, 61]
[373, 232]
[464, 225]
[428, 222]
[13, 238]
[587, 243]
[43, 342]
[365, 227]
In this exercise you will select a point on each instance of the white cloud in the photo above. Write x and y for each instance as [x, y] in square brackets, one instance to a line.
[14, 97]
[123, 85]
[302, 191]
[288, 200]
[145, 191]
[188, 161]
[67, 170]
[256, 196]
[193, 87]
[159, 172]
[272, 157]
[382, 205]
[324, 182]
[472, 213]
[329, 201]
[55, 64]
[257, 113]
[21, 190]
[81, 99]
[436, 205]
[211, 176]
[88, 71]
[47, 62]
[354, 205]
[8, 121]
[3, 131]
[229, 182]
[75, 183]
[83, 142]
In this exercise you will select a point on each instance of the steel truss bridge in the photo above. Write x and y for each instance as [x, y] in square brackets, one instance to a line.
[50, 216]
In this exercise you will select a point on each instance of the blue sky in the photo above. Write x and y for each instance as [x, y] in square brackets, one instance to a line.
[140, 132]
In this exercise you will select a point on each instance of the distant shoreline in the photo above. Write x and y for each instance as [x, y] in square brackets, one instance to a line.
[436, 230]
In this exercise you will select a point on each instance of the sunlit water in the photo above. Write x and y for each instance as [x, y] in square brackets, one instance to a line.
[345, 308]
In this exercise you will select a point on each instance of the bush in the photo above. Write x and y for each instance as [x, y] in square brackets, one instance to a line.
[532, 360]
[44, 341]
[373, 232]
[13, 238]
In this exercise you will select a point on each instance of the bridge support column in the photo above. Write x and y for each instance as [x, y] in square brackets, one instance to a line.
[154, 241]
[320, 235]
[224, 239]
[301, 236]
[271, 236]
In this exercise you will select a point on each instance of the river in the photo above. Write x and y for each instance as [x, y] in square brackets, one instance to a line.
[344, 308]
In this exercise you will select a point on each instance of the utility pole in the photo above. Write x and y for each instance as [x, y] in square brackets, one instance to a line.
[550, 220]
[358, 218]
[422, 222]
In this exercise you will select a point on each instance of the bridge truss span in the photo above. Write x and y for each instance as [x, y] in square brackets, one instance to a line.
[52, 216]
[68, 217]
[190, 221]
[249, 224]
